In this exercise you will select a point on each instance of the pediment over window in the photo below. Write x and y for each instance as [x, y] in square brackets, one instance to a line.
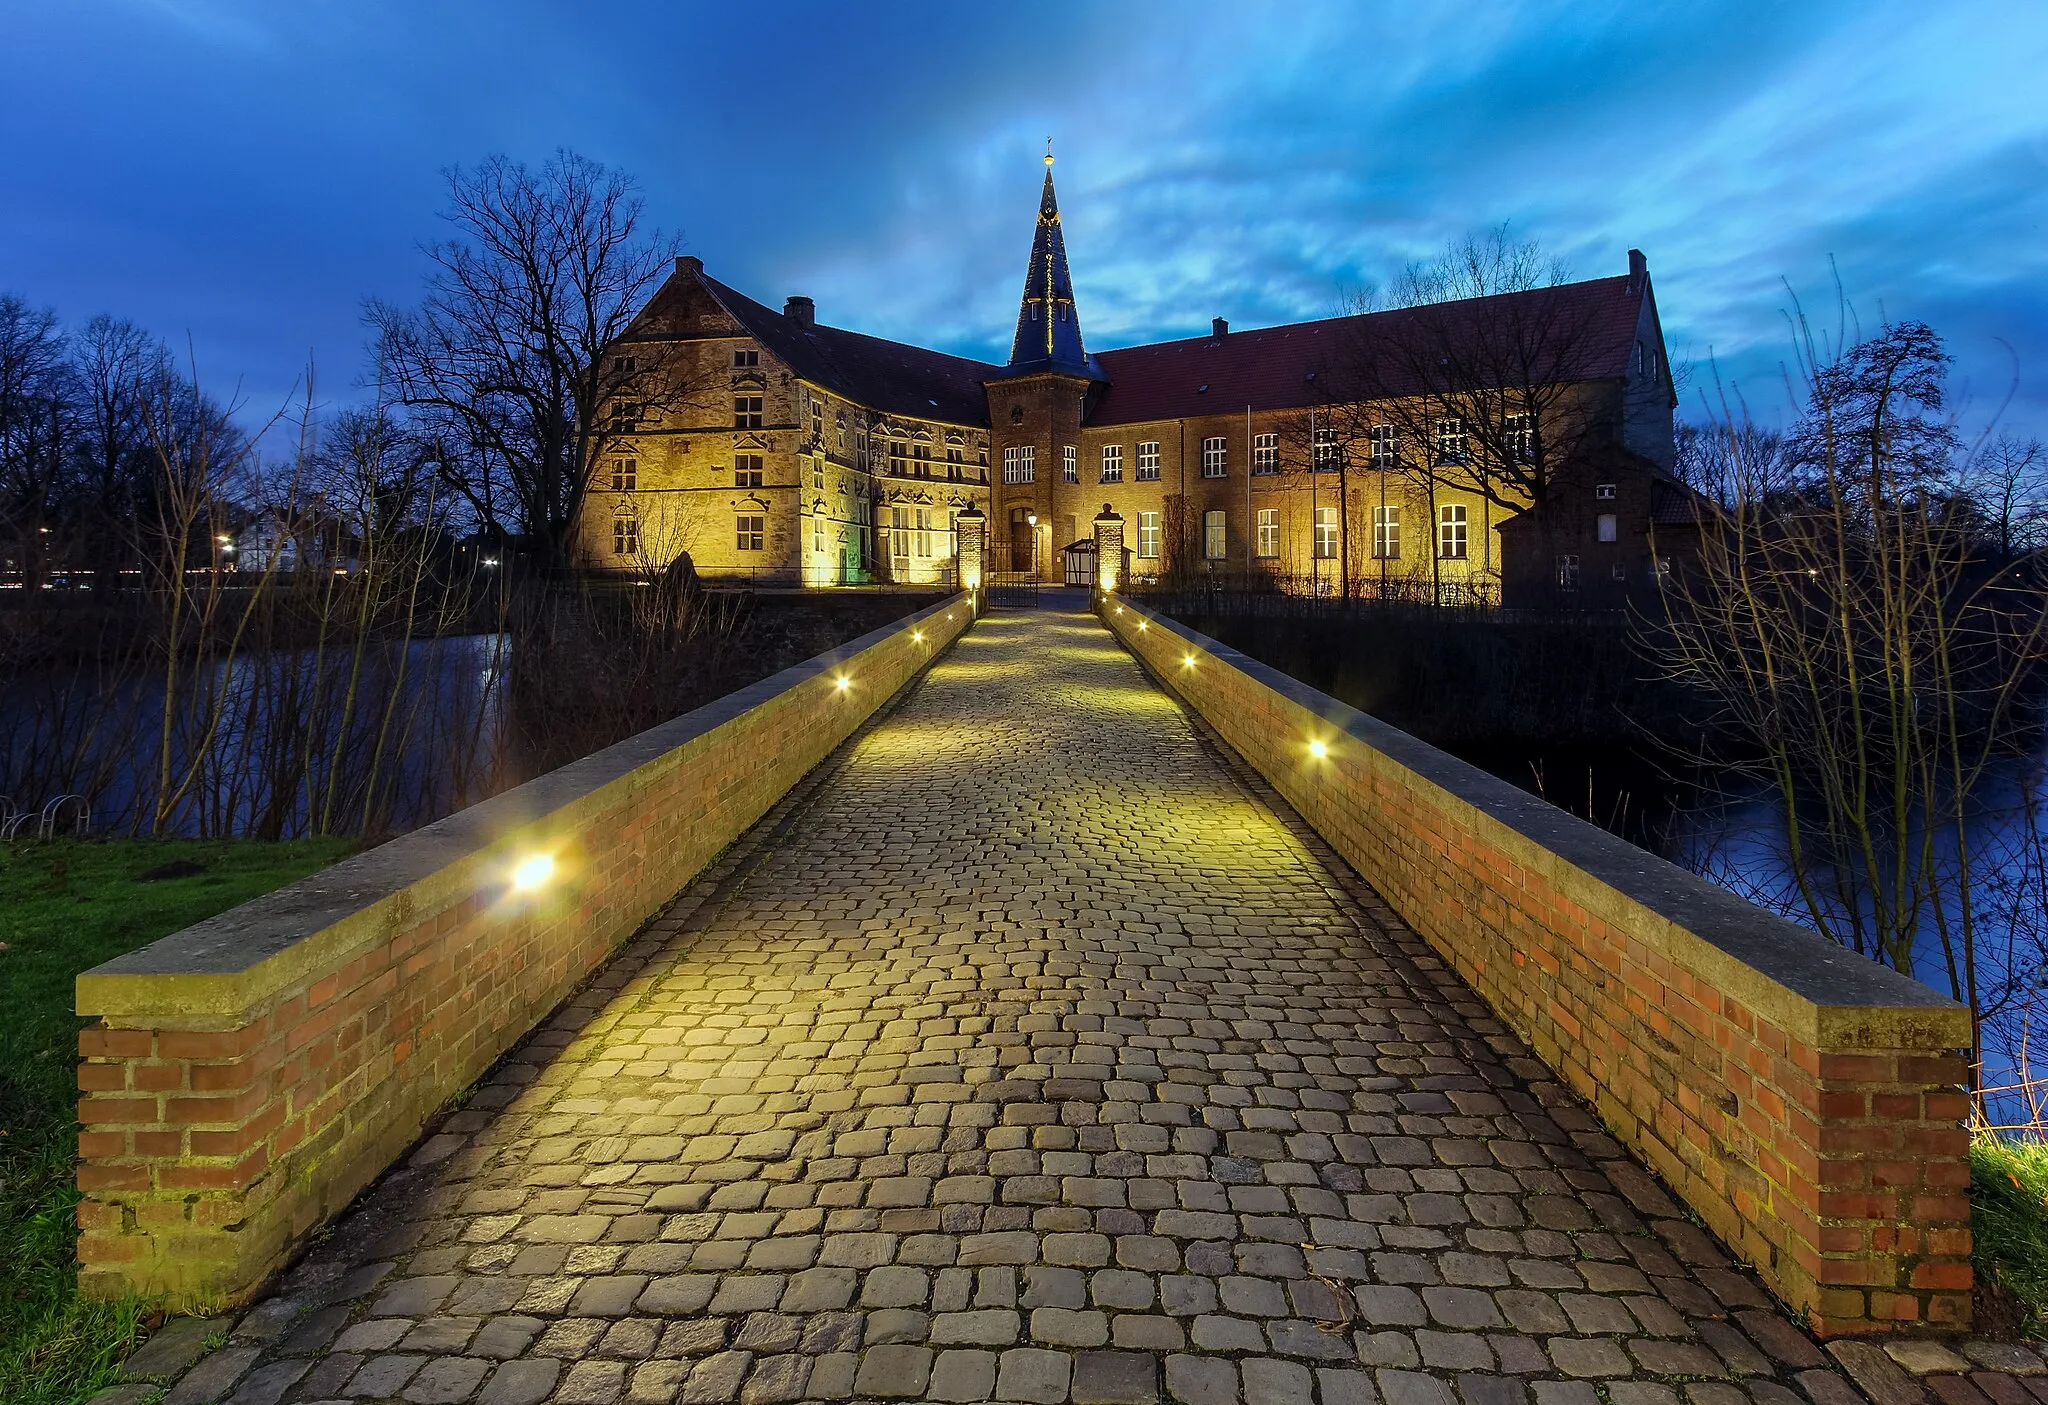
[751, 441]
[752, 502]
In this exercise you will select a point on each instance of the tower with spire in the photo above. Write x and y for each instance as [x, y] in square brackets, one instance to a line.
[1036, 405]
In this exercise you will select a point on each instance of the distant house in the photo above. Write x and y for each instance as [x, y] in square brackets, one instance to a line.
[311, 540]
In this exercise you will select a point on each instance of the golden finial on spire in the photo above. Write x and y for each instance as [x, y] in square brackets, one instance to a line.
[1048, 151]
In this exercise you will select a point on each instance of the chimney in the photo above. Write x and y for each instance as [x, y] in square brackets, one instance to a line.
[1638, 269]
[801, 310]
[689, 263]
[1218, 328]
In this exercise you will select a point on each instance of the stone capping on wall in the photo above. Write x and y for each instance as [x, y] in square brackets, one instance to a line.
[1807, 1102]
[248, 1076]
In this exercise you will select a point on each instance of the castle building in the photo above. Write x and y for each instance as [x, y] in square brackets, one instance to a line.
[1509, 448]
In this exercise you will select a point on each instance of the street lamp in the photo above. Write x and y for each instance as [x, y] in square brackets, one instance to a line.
[1032, 519]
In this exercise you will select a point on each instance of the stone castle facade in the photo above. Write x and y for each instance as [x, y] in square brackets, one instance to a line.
[802, 453]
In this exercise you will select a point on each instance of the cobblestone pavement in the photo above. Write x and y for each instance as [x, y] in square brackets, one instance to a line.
[1030, 1052]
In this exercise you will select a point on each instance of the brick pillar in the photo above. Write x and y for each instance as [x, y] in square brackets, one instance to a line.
[970, 546]
[1109, 549]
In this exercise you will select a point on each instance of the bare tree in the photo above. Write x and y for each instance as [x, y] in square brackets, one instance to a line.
[520, 362]
[1867, 664]
[2006, 482]
[37, 404]
[1474, 378]
[118, 367]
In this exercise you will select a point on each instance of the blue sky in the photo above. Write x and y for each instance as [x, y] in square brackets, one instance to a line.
[242, 175]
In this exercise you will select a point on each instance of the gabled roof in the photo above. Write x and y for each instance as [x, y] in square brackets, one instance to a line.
[1278, 368]
[889, 376]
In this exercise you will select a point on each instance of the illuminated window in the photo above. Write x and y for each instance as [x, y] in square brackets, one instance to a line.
[746, 470]
[1325, 452]
[1386, 533]
[625, 536]
[899, 458]
[1215, 457]
[899, 538]
[1112, 463]
[752, 531]
[924, 532]
[625, 475]
[1326, 533]
[1450, 440]
[1450, 531]
[746, 412]
[1518, 440]
[1269, 531]
[1265, 453]
[1385, 446]
[1148, 462]
[746, 358]
[1070, 463]
[1608, 526]
[1148, 535]
[1215, 539]
[1018, 465]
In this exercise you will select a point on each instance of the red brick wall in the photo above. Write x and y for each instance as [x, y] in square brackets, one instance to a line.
[1807, 1103]
[249, 1076]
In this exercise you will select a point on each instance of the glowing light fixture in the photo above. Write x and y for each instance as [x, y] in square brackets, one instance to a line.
[1141, 624]
[1187, 660]
[841, 683]
[532, 871]
[917, 636]
[1318, 750]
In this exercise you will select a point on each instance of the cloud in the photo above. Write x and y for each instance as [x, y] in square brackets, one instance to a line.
[254, 175]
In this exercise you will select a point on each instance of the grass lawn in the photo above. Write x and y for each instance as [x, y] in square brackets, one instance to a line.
[66, 906]
[2009, 1230]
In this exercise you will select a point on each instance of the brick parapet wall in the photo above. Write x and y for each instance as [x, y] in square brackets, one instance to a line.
[1807, 1103]
[247, 1077]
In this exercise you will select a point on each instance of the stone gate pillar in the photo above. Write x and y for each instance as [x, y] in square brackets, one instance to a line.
[970, 546]
[1109, 549]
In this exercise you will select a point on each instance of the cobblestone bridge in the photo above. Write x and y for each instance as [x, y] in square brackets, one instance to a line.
[1029, 1052]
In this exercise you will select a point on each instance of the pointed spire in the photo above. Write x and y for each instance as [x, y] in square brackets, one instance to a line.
[1048, 326]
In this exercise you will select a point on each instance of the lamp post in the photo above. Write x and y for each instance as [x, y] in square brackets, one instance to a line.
[1031, 520]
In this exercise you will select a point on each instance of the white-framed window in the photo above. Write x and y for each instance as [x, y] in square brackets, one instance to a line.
[1018, 465]
[1518, 438]
[923, 544]
[1608, 526]
[746, 412]
[745, 358]
[1215, 534]
[746, 470]
[751, 531]
[625, 475]
[1451, 527]
[1148, 535]
[1450, 440]
[817, 420]
[1386, 532]
[817, 534]
[1265, 453]
[1112, 463]
[1567, 573]
[626, 536]
[1215, 457]
[818, 475]
[1148, 462]
[1324, 453]
[1269, 532]
[1070, 463]
[899, 537]
[626, 365]
[625, 416]
[922, 456]
[1385, 443]
[1604, 491]
[1326, 534]
[899, 458]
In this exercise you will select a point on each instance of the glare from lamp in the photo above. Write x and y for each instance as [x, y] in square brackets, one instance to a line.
[842, 683]
[1187, 660]
[532, 871]
[1318, 750]
[917, 636]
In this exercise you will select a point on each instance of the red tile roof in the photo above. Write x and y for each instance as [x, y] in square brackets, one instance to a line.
[1277, 368]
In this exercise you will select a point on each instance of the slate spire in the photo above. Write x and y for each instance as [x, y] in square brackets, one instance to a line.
[1048, 326]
